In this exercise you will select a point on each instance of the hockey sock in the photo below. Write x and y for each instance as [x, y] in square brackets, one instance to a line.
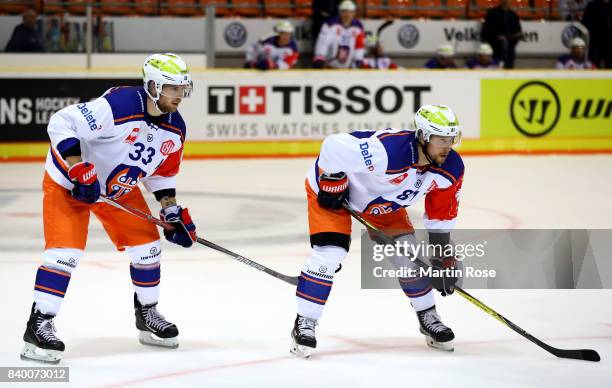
[146, 280]
[316, 279]
[49, 289]
[53, 276]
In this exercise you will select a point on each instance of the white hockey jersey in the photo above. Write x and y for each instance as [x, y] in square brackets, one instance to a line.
[339, 46]
[567, 62]
[284, 57]
[379, 63]
[123, 142]
[383, 175]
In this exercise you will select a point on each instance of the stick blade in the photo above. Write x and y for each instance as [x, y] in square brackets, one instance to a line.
[590, 355]
[578, 354]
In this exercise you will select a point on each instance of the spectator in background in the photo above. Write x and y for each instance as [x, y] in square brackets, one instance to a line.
[444, 59]
[598, 20]
[341, 42]
[502, 30]
[321, 11]
[572, 9]
[25, 38]
[278, 51]
[483, 58]
[576, 59]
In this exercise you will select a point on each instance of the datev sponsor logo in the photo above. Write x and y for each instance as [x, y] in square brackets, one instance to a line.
[88, 114]
[235, 34]
[367, 156]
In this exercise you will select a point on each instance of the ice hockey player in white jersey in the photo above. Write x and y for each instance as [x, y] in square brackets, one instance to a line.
[106, 147]
[341, 41]
[576, 59]
[380, 173]
[377, 59]
[278, 51]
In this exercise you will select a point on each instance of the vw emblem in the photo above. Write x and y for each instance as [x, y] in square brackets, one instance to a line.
[235, 34]
[408, 36]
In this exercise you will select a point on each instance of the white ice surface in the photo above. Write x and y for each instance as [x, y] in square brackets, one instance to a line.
[234, 321]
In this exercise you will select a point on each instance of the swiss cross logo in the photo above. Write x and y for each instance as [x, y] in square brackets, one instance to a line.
[399, 179]
[252, 100]
[132, 136]
[166, 147]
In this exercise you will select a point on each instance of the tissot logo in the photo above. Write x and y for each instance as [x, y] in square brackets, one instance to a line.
[307, 100]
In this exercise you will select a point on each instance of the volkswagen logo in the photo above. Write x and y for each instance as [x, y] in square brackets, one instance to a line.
[408, 36]
[235, 34]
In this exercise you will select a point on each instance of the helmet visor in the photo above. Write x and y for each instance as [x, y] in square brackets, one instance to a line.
[177, 91]
[445, 141]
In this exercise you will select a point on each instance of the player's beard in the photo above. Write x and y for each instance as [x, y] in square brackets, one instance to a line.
[440, 158]
[168, 106]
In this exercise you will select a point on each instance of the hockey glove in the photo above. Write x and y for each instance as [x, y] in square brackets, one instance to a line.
[184, 232]
[446, 279]
[318, 64]
[333, 190]
[265, 64]
[85, 179]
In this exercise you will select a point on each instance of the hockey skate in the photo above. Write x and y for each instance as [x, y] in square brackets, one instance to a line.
[303, 335]
[41, 344]
[437, 335]
[154, 329]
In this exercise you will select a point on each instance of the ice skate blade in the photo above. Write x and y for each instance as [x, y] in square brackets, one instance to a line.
[31, 352]
[301, 350]
[444, 346]
[148, 338]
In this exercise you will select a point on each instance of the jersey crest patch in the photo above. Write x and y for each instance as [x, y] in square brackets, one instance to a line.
[122, 180]
[166, 147]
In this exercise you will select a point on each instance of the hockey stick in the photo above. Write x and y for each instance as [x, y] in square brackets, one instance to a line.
[578, 354]
[381, 29]
[145, 216]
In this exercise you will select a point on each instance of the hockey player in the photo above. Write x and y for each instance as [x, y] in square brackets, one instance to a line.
[106, 147]
[576, 59]
[377, 58]
[341, 42]
[444, 59]
[278, 51]
[380, 173]
[483, 59]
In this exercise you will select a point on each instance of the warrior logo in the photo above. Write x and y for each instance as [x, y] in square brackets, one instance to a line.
[122, 180]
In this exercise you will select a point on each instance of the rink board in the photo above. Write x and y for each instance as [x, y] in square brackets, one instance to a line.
[235, 113]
